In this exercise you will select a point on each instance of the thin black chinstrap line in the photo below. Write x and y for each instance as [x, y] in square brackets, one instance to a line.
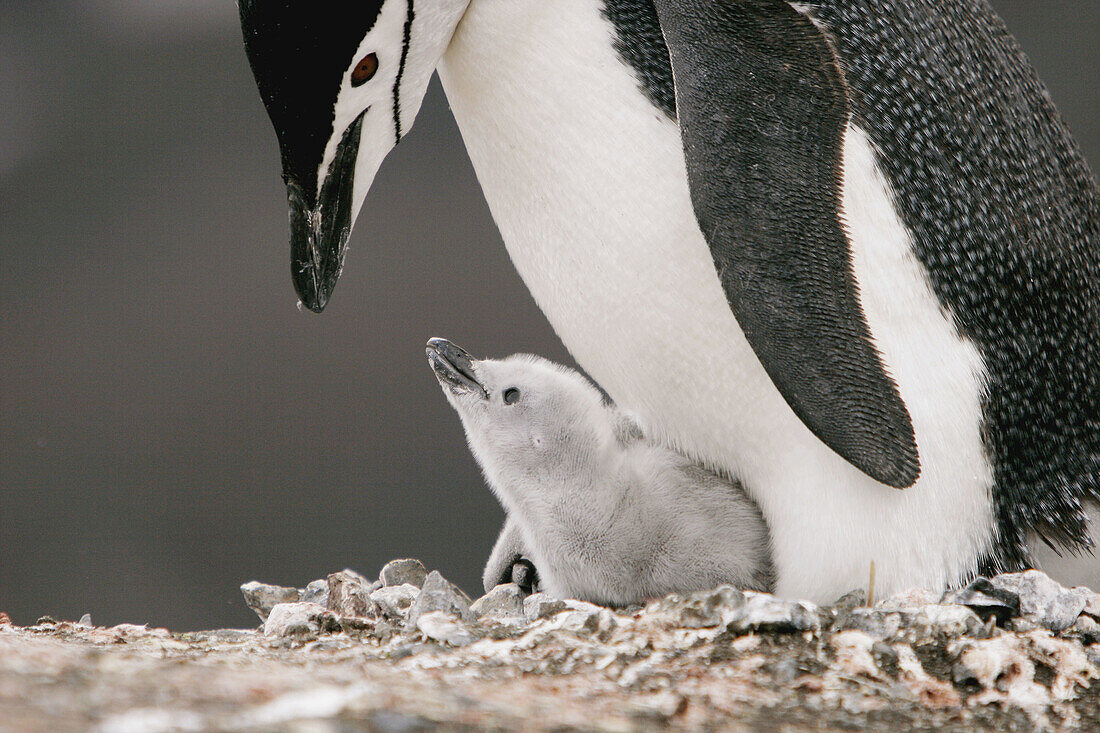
[401, 73]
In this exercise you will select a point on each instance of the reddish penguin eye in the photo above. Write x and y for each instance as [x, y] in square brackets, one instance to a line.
[365, 70]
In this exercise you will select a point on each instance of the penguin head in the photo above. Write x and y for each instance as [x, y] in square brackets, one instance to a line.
[342, 83]
[523, 415]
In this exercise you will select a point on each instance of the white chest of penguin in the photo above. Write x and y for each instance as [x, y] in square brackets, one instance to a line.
[586, 180]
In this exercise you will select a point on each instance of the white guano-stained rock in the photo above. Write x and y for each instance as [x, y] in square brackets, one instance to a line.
[294, 619]
[443, 627]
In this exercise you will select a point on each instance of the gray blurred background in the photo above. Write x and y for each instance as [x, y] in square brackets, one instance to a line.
[170, 424]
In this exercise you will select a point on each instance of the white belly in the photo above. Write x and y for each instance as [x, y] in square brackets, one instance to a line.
[587, 182]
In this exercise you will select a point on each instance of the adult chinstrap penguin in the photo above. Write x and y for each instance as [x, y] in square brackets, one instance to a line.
[845, 250]
[605, 514]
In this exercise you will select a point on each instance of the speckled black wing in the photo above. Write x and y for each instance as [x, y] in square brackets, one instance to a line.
[762, 109]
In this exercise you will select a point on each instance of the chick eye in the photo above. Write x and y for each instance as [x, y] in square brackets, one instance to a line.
[511, 396]
[365, 70]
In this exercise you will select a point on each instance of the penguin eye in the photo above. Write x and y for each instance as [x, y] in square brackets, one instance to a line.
[511, 396]
[365, 70]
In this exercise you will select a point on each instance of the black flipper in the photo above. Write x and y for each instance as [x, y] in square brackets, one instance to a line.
[762, 108]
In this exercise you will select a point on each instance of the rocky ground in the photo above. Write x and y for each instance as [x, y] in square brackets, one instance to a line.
[410, 652]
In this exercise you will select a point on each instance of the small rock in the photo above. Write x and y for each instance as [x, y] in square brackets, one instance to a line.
[875, 622]
[399, 572]
[583, 619]
[442, 626]
[46, 621]
[395, 600]
[315, 592]
[439, 594]
[1042, 600]
[907, 599]
[261, 597]
[932, 692]
[221, 636]
[702, 610]
[504, 601]
[349, 595]
[1022, 625]
[5, 619]
[885, 656]
[987, 600]
[295, 619]
[852, 599]
[765, 612]
[1087, 629]
[541, 605]
[1093, 654]
[137, 631]
[600, 622]
[853, 654]
[948, 620]
[1092, 605]
[85, 620]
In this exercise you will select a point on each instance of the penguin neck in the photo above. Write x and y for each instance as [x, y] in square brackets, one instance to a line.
[504, 50]
[577, 489]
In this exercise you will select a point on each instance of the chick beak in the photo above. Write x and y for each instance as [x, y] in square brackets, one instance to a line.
[453, 367]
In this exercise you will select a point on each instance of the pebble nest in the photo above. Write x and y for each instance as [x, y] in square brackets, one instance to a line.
[410, 651]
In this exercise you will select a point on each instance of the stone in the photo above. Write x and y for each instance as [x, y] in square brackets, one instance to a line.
[915, 623]
[765, 612]
[876, 622]
[908, 599]
[702, 610]
[852, 650]
[931, 692]
[948, 620]
[504, 601]
[85, 620]
[395, 600]
[852, 599]
[1092, 605]
[439, 594]
[1005, 668]
[987, 600]
[261, 598]
[541, 605]
[1086, 628]
[399, 572]
[1042, 600]
[315, 592]
[295, 619]
[1093, 654]
[596, 621]
[349, 595]
[444, 627]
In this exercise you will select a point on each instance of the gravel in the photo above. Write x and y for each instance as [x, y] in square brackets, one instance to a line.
[400, 572]
[439, 594]
[294, 619]
[504, 601]
[401, 657]
[396, 600]
[261, 598]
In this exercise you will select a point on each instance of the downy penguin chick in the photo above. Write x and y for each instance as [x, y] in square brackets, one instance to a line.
[607, 515]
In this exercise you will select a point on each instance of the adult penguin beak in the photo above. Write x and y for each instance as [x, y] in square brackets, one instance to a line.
[319, 230]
